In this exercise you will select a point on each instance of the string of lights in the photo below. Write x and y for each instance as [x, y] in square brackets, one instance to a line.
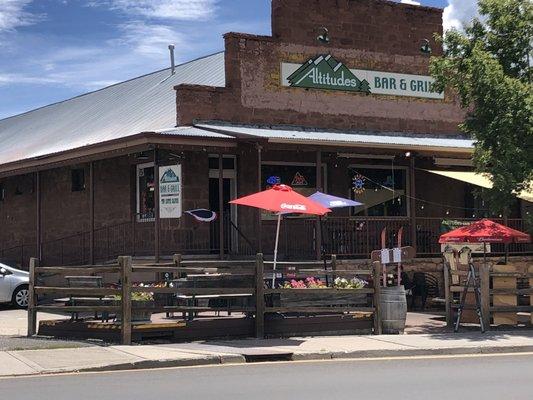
[446, 206]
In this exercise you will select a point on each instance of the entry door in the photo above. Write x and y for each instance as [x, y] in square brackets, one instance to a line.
[229, 214]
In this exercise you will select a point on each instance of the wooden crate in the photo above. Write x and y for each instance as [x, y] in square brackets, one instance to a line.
[504, 318]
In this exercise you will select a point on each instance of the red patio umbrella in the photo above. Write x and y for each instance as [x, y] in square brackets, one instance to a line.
[281, 199]
[485, 231]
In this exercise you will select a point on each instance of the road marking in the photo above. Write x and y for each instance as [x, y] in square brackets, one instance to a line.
[369, 359]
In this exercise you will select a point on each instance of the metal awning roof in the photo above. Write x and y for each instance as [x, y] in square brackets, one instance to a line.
[481, 180]
[192, 131]
[401, 141]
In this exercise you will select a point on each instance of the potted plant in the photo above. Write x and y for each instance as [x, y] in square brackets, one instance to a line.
[140, 302]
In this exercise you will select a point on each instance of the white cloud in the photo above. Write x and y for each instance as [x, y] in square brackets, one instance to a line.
[13, 14]
[139, 48]
[459, 12]
[188, 10]
[147, 39]
[10, 78]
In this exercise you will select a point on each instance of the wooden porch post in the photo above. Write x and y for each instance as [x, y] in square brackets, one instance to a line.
[32, 310]
[317, 221]
[91, 213]
[484, 274]
[259, 297]
[376, 275]
[221, 205]
[38, 239]
[412, 202]
[259, 186]
[125, 264]
[157, 222]
[448, 296]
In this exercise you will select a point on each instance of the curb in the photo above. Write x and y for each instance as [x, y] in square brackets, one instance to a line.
[155, 364]
[432, 352]
[240, 359]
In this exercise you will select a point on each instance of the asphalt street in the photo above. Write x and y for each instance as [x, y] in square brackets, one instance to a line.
[507, 377]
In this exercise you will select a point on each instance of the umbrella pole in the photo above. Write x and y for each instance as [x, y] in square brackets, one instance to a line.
[485, 253]
[276, 252]
[323, 249]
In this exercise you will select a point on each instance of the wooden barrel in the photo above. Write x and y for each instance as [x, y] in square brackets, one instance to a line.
[393, 309]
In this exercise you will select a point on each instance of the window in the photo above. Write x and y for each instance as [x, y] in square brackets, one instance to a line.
[145, 192]
[77, 179]
[382, 190]
[228, 162]
[300, 176]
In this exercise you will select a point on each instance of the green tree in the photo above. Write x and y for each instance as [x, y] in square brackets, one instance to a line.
[488, 67]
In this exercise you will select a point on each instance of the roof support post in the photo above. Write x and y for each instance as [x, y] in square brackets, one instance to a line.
[318, 222]
[259, 214]
[412, 201]
[157, 219]
[221, 205]
[38, 206]
[91, 213]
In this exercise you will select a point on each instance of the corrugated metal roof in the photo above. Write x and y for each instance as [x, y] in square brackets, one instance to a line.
[191, 131]
[141, 104]
[335, 138]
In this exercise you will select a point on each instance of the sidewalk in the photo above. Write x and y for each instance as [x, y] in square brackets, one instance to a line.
[98, 358]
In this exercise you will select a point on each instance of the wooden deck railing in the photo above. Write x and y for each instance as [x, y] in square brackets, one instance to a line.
[248, 279]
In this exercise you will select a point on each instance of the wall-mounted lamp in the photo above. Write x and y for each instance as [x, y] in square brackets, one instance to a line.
[142, 156]
[324, 36]
[425, 48]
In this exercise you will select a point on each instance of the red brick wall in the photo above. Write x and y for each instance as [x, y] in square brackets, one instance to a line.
[371, 25]
[365, 34]
[18, 211]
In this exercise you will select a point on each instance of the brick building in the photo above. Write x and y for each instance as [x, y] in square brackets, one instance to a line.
[338, 98]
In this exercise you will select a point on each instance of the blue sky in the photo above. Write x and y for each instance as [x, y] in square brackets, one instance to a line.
[52, 50]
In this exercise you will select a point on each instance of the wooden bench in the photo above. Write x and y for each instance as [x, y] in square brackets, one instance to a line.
[84, 282]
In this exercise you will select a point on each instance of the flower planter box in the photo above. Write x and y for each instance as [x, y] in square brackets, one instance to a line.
[299, 298]
[137, 315]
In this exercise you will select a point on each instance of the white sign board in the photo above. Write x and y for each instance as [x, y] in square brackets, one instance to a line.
[385, 256]
[170, 195]
[387, 83]
[477, 248]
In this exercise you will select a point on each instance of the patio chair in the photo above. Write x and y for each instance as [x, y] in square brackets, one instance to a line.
[423, 285]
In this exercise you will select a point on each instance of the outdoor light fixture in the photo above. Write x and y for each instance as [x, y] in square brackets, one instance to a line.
[407, 154]
[425, 48]
[142, 156]
[324, 36]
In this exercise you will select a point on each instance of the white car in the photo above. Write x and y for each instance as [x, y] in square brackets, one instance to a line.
[14, 286]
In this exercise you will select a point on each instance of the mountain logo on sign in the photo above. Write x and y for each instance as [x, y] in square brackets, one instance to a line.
[169, 176]
[324, 72]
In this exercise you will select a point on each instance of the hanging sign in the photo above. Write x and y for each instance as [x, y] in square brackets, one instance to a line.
[170, 195]
[274, 180]
[325, 72]
[358, 184]
[299, 180]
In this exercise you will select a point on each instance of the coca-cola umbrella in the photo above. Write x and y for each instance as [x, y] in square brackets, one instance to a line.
[281, 199]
